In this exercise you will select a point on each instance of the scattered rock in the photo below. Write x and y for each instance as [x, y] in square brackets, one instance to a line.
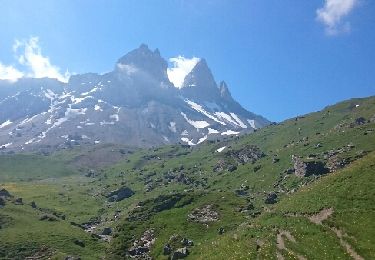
[271, 198]
[180, 253]
[69, 257]
[335, 163]
[204, 214]
[79, 242]
[90, 174]
[250, 153]
[120, 194]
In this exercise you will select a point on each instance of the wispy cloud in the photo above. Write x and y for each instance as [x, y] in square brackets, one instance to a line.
[332, 14]
[181, 67]
[29, 56]
[10, 73]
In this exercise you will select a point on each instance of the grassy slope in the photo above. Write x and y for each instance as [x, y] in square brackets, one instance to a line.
[80, 198]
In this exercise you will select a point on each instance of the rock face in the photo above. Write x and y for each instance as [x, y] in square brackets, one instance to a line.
[204, 214]
[120, 194]
[134, 104]
[5, 194]
[142, 246]
[305, 169]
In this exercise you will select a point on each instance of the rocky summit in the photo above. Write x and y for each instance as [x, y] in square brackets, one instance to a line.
[135, 104]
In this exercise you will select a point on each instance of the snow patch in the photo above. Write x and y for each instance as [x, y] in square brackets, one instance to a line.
[172, 127]
[200, 109]
[201, 140]
[186, 140]
[212, 131]
[196, 124]
[230, 132]
[6, 123]
[3, 146]
[238, 120]
[221, 149]
[251, 123]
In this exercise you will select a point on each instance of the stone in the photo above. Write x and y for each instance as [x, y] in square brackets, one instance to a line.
[221, 230]
[167, 250]
[187, 242]
[180, 253]
[305, 169]
[79, 242]
[107, 231]
[48, 217]
[232, 168]
[5, 194]
[18, 201]
[33, 205]
[2, 202]
[120, 194]
[271, 198]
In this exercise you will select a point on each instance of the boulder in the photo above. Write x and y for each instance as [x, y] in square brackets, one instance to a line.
[187, 242]
[5, 194]
[2, 202]
[167, 250]
[271, 198]
[18, 201]
[308, 168]
[120, 194]
[107, 231]
[79, 242]
[180, 253]
[48, 217]
[33, 205]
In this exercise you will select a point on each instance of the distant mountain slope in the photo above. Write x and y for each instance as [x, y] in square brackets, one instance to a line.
[135, 104]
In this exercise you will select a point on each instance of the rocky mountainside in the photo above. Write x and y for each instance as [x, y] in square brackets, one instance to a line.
[299, 189]
[135, 104]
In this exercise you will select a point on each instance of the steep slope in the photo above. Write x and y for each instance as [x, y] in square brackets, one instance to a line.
[135, 104]
[262, 195]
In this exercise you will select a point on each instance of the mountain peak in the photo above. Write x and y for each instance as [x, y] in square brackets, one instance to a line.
[144, 60]
[200, 76]
[224, 91]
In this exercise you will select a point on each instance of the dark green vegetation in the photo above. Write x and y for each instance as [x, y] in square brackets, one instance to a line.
[303, 188]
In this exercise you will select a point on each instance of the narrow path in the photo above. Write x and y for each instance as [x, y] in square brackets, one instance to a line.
[280, 243]
[325, 214]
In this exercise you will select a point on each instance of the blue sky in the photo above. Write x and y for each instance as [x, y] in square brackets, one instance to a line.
[279, 58]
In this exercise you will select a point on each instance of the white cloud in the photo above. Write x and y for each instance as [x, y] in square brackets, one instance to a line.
[129, 69]
[332, 14]
[29, 55]
[10, 73]
[181, 67]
